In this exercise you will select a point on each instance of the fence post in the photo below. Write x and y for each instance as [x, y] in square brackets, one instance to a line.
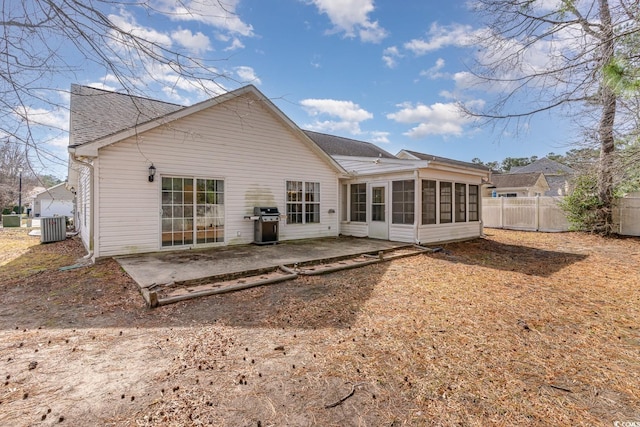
[537, 214]
[501, 212]
[620, 215]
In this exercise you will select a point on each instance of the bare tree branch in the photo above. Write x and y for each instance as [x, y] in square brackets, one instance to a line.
[563, 58]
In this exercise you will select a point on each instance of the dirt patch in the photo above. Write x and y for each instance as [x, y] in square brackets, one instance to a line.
[515, 329]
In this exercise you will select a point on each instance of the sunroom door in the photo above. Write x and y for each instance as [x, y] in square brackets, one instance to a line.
[379, 224]
[192, 211]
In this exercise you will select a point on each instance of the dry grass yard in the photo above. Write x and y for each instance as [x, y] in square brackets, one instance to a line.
[517, 329]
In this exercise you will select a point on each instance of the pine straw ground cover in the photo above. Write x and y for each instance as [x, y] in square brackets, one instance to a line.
[514, 329]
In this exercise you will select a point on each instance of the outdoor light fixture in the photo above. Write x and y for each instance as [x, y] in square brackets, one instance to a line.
[152, 172]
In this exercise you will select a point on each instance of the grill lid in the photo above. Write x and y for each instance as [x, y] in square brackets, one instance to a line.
[265, 211]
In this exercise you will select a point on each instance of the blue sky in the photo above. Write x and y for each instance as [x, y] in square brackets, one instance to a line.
[383, 71]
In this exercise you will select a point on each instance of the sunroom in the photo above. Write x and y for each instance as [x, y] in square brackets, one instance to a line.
[417, 201]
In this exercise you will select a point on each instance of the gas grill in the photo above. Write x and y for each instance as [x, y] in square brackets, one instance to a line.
[266, 224]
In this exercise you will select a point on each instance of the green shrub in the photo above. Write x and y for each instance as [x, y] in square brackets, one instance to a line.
[583, 206]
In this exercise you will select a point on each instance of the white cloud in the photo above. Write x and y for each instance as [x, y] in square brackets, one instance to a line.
[235, 45]
[221, 15]
[435, 71]
[349, 115]
[197, 42]
[465, 80]
[446, 94]
[332, 126]
[57, 119]
[345, 110]
[389, 56]
[352, 18]
[247, 75]
[178, 88]
[379, 137]
[372, 32]
[439, 37]
[103, 85]
[436, 119]
[127, 23]
[61, 141]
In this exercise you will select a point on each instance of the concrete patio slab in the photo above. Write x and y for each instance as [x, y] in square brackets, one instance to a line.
[161, 268]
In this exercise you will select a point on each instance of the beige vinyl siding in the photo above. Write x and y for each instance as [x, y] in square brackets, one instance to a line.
[449, 232]
[239, 142]
[355, 229]
[83, 204]
[402, 233]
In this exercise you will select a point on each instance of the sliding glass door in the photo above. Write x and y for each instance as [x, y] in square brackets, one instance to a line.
[192, 211]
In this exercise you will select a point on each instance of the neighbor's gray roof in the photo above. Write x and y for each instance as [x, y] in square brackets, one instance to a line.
[430, 157]
[545, 166]
[97, 113]
[339, 146]
[515, 180]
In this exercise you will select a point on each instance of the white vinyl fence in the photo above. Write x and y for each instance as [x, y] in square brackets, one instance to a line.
[544, 214]
[627, 216]
[524, 213]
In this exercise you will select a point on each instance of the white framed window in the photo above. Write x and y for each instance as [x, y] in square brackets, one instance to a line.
[312, 202]
[359, 202]
[303, 202]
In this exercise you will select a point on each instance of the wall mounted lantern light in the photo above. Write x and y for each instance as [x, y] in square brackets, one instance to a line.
[152, 172]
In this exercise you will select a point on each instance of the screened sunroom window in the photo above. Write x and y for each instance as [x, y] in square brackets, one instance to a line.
[428, 202]
[402, 202]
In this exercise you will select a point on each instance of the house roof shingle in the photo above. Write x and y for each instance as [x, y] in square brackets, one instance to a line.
[545, 166]
[97, 113]
[514, 180]
[339, 146]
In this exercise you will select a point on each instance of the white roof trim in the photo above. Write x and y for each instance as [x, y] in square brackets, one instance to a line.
[362, 166]
[453, 168]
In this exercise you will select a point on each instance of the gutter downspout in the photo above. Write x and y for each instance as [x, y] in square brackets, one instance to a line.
[91, 207]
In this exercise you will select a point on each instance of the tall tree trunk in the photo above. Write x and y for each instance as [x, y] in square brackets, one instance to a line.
[606, 125]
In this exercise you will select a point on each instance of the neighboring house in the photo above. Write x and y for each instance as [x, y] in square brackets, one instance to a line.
[558, 176]
[54, 201]
[153, 176]
[517, 185]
